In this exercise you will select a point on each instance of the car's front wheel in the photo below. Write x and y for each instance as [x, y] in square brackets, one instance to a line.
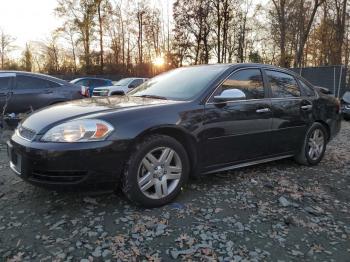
[156, 171]
[314, 145]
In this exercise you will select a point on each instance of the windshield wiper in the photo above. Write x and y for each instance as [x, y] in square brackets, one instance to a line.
[154, 96]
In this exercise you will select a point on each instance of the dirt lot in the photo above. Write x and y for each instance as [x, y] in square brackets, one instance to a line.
[274, 212]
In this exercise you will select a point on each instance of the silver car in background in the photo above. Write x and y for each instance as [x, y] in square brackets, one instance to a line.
[121, 87]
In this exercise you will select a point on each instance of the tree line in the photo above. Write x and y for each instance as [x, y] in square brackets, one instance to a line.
[144, 38]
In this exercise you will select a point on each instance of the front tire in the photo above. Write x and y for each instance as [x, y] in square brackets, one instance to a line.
[314, 146]
[156, 171]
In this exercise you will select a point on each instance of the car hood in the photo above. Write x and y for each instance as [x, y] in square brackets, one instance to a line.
[52, 115]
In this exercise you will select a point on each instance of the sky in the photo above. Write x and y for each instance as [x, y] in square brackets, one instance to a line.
[28, 20]
[34, 20]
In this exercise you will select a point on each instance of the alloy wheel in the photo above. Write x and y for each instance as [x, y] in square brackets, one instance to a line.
[316, 144]
[159, 172]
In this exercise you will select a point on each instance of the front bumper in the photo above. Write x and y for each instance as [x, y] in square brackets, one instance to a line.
[99, 93]
[67, 163]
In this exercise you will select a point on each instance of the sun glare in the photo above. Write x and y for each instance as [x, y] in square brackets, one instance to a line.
[159, 61]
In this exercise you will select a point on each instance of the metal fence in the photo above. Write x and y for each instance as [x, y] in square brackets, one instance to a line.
[333, 78]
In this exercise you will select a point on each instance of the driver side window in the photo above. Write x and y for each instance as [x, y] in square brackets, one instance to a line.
[249, 81]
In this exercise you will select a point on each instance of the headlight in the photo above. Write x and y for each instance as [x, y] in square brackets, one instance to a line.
[79, 131]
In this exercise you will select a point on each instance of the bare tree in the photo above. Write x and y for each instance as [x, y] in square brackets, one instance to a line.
[306, 18]
[340, 25]
[82, 14]
[6, 46]
[27, 59]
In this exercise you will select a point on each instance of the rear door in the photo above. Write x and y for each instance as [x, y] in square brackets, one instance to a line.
[292, 112]
[238, 131]
[31, 93]
[6, 83]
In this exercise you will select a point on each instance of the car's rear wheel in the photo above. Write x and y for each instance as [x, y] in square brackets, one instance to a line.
[314, 145]
[156, 171]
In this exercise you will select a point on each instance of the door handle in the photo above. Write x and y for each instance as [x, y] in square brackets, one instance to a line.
[48, 91]
[263, 110]
[306, 107]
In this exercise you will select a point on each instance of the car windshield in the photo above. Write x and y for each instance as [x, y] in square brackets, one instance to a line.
[123, 82]
[180, 84]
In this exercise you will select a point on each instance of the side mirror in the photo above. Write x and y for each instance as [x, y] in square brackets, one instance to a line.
[131, 86]
[230, 95]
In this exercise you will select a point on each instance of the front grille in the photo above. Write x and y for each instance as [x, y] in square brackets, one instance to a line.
[100, 93]
[57, 176]
[26, 133]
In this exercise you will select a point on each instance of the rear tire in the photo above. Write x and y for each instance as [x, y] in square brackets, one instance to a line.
[314, 145]
[156, 171]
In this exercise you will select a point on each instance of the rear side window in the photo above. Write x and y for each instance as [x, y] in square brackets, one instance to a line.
[247, 80]
[282, 85]
[5, 83]
[309, 91]
[28, 82]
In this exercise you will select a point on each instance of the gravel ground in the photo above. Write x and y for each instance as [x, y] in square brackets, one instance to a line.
[273, 212]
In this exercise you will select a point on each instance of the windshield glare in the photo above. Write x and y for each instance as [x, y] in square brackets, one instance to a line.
[180, 84]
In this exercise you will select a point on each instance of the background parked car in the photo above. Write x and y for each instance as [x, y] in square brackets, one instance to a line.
[345, 101]
[91, 83]
[22, 91]
[120, 88]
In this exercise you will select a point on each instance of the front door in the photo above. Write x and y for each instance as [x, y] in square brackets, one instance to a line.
[237, 131]
[31, 93]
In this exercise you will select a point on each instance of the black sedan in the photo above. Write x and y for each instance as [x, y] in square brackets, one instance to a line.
[186, 122]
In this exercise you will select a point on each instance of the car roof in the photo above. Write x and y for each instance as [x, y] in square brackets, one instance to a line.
[94, 78]
[247, 65]
[233, 65]
[43, 76]
[132, 78]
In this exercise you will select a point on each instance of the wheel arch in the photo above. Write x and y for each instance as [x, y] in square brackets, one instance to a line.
[185, 139]
[326, 126]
